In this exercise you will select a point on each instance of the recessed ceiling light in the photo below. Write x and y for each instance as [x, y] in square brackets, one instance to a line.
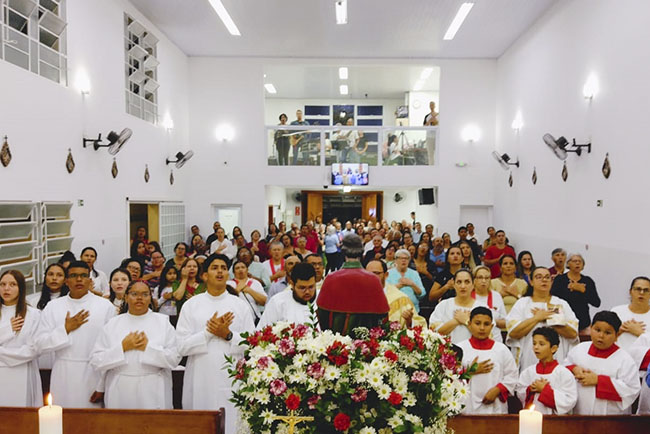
[426, 73]
[343, 89]
[270, 88]
[341, 8]
[347, 189]
[458, 20]
[225, 17]
[343, 73]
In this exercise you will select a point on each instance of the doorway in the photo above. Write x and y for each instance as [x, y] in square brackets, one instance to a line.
[146, 215]
[228, 216]
[342, 206]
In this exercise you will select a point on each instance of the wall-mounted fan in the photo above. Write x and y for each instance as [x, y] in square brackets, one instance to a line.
[297, 196]
[504, 160]
[115, 141]
[560, 146]
[181, 159]
[399, 197]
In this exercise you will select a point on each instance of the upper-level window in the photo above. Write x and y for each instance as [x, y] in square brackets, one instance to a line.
[33, 36]
[141, 70]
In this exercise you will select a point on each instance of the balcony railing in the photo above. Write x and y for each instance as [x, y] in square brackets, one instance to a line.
[312, 145]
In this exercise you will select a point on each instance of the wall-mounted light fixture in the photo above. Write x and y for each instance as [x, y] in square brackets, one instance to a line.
[167, 122]
[561, 146]
[341, 9]
[591, 87]
[471, 133]
[504, 160]
[224, 133]
[517, 122]
[82, 82]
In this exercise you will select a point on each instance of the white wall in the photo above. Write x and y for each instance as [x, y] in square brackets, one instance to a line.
[231, 91]
[399, 211]
[542, 75]
[43, 119]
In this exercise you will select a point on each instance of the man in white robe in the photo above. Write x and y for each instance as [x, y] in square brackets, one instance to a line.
[608, 378]
[70, 326]
[497, 371]
[293, 306]
[208, 330]
[137, 351]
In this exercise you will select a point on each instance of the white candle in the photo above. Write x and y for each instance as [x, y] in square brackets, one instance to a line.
[50, 418]
[530, 421]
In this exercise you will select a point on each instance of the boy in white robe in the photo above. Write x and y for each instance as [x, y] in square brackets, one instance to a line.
[292, 306]
[640, 352]
[70, 326]
[137, 351]
[496, 375]
[548, 385]
[608, 379]
[209, 329]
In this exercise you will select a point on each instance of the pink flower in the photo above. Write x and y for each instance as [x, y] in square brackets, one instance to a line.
[377, 332]
[394, 326]
[278, 387]
[300, 331]
[359, 395]
[315, 370]
[448, 361]
[263, 362]
[286, 347]
[419, 377]
[311, 402]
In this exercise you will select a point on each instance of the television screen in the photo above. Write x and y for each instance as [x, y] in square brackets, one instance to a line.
[349, 174]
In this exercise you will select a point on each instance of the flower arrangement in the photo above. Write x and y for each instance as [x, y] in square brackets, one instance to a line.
[383, 380]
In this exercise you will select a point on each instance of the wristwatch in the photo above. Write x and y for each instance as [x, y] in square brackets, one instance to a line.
[229, 336]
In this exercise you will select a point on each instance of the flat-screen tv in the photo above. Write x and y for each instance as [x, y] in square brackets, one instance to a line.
[349, 174]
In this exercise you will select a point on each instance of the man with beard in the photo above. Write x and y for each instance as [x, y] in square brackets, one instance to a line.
[292, 305]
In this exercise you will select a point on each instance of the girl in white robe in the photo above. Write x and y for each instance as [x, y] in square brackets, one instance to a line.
[479, 348]
[559, 394]
[608, 379]
[538, 308]
[138, 378]
[635, 316]
[19, 376]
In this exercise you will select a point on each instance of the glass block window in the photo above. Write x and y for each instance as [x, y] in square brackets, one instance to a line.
[141, 70]
[33, 36]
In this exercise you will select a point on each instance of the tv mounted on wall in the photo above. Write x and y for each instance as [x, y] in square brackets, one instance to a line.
[349, 174]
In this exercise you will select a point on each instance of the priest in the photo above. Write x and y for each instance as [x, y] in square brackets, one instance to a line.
[209, 330]
[137, 352]
[70, 325]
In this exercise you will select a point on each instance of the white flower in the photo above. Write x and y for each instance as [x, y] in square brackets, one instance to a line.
[263, 396]
[409, 400]
[394, 421]
[367, 430]
[375, 380]
[332, 373]
[455, 406]
[268, 416]
[383, 391]
[299, 360]
[414, 419]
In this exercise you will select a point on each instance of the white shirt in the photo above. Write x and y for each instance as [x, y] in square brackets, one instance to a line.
[444, 312]
[562, 383]
[137, 379]
[498, 308]
[626, 340]
[271, 268]
[229, 250]
[100, 283]
[283, 307]
[369, 245]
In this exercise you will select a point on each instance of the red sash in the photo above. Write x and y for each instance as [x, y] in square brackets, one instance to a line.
[489, 298]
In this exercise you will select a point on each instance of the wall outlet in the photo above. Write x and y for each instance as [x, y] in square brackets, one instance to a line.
[80, 202]
[599, 203]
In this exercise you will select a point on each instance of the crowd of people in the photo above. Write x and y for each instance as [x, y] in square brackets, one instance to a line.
[113, 338]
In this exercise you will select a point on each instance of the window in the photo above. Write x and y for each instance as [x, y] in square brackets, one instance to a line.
[141, 70]
[33, 36]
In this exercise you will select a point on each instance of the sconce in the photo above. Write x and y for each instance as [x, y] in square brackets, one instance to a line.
[115, 141]
[82, 83]
[517, 122]
[504, 160]
[590, 89]
[471, 133]
[167, 122]
[225, 133]
[560, 147]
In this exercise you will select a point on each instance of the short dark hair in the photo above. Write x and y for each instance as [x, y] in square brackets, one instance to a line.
[282, 114]
[647, 279]
[383, 264]
[213, 257]
[480, 310]
[557, 250]
[312, 255]
[507, 256]
[609, 317]
[78, 264]
[500, 231]
[549, 333]
[302, 271]
[461, 228]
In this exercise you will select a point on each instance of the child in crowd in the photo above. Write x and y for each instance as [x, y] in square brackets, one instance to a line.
[166, 302]
[608, 379]
[496, 375]
[548, 385]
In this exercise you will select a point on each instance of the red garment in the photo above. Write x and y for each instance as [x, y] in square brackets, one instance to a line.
[493, 252]
[312, 242]
[481, 344]
[489, 298]
[263, 253]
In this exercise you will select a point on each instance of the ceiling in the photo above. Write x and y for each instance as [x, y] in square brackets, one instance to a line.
[371, 81]
[375, 29]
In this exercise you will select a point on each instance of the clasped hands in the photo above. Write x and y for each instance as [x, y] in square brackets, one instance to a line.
[585, 376]
[135, 341]
[220, 325]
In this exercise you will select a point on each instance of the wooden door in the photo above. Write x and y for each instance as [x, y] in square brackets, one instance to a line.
[369, 206]
[314, 206]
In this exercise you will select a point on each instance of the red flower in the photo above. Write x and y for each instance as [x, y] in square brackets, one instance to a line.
[337, 353]
[253, 340]
[407, 342]
[391, 356]
[359, 395]
[292, 402]
[311, 402]
[342, 422]
[395, 398]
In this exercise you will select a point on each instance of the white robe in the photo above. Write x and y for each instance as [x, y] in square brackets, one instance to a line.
[498, 308]
[73, 380]
[562, 385]
[504, 372]
[621, 370]
[444, 312]
[627, 340]
[206, 385]
[283, 307]
[19, 377]
[137, 379]
[638, 352]
[256, 310]
[45, 360]
[522, 348]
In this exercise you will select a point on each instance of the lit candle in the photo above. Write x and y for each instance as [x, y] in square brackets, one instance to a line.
[50, 418]
[530, 421]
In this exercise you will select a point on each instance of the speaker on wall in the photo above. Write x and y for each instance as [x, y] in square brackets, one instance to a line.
[426, 196]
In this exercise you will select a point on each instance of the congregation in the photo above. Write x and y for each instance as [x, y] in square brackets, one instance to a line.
[522, 330]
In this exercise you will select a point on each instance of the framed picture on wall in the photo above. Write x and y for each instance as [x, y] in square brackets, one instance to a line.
[342, 113]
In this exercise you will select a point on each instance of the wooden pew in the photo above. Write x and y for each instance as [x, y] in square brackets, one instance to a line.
[103, 421]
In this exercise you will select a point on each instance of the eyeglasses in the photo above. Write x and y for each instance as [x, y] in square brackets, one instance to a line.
[641, 290]
[74, 276]
[542, 276]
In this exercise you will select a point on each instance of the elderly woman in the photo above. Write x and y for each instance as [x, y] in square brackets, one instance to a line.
[258, 246]
[578, 290]
[406, 279]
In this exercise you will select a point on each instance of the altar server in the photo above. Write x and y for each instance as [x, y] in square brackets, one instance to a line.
[293, 305]
[496, 375]
[70, 325]
[137, 351]
[539, 308]
[548, 385]
[208, 330]
[640, 352]
[608, 379]
[19, 376]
